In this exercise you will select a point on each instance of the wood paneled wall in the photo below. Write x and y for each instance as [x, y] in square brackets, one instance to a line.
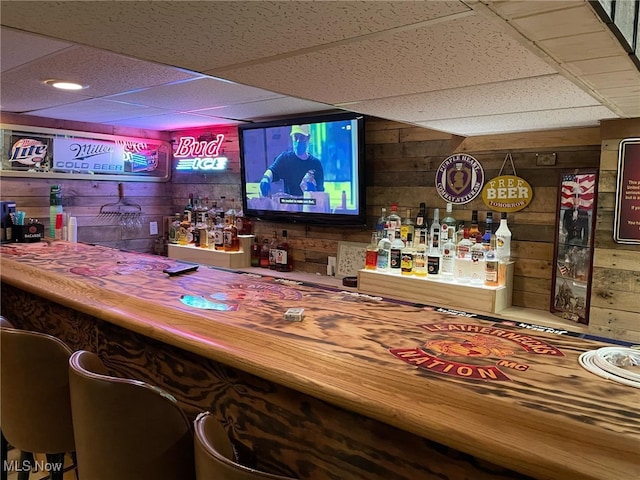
[615, 302]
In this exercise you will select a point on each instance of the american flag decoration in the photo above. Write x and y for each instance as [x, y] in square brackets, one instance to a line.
[564, 270]
[581, 186]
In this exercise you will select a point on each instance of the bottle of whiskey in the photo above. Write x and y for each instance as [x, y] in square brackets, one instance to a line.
[188, 209]
[407, 256]
[371, 253]
[264, 254]
[474, 231]
[491, 265]
[420, 255]
[255, 253]
[273, 247]
[283, 255]
[231, 240]
[407, 228]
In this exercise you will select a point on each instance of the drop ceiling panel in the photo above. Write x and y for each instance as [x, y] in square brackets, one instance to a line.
[522, 122]
[531, 94]
[25, 97]
[98, 111]
[87, 66]
[196, 94]
[461, 52]
[206, 35]
[32, 47]
[173, 121]
[265, 109]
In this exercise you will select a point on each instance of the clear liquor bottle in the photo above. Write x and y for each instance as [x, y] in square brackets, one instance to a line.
[420, 255]
[371, 253]
[396, 254]
[394, 222]
[407, 256]
[448, 254]
[462, 262]
[407, 227]
[384, 255]
[477, 262]
[448, 219]
[381, 223]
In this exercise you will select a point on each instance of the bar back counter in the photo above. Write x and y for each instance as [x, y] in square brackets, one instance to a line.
[362, 387]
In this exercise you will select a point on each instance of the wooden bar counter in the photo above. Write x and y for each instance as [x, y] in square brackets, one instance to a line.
[362, 388]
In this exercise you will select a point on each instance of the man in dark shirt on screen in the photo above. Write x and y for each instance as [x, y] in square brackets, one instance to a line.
[299, 170]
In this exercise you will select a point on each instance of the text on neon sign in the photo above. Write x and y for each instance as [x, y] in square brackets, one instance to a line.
[189, 147]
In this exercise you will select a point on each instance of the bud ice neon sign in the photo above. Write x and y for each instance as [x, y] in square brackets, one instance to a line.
[200, 155]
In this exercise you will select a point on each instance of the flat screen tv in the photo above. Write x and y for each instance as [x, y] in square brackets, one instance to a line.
[304, 170]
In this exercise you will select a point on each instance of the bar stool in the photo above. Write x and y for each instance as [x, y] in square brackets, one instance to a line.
[34, 393]
[215, 455]
[126, 429]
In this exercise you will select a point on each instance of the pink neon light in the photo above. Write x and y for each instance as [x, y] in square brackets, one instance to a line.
[189, 147]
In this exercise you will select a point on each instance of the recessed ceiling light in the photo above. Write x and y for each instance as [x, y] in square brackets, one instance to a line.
[62, 85]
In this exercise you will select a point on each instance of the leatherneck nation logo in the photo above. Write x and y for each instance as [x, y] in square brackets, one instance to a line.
[466, 350]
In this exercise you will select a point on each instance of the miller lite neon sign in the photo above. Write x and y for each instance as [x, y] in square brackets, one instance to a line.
[197, 155]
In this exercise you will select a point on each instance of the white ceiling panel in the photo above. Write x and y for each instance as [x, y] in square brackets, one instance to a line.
[524, 95]
[196, 94]
[173, 121]
[519, 122]
[24, 97]
[265, 109]
[98, 111]
[32, 48]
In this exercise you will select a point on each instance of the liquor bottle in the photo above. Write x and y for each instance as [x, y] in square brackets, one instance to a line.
[184, 233]
[397, 245]
[283, 255]
[384, 255]
[407, 256]
[421, 218]
[264, 254]
[491, 265]
[201, 238]
[371, 253]
[434, 234]
[231, 240]
[503, 239]
[381, 223]
[477, 262]
[244, 225]
[488, 231]
[273, 246]
[55, 207]
[407, 228]
[474, 230]
[174, 228]
[188, 209]
[218, 234]
[448, 254]
[255, 253]
[448, 220]
[394, 222]
[420, 255]
[462, 262]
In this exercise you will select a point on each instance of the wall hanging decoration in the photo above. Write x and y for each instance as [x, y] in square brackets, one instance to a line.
[459, 178]
[626, 225]
[507, 193]
[573, 248]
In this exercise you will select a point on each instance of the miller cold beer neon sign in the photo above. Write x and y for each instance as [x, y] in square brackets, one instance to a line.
[194, 155]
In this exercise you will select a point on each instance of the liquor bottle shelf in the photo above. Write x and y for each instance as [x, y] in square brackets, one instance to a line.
[434, 291]
[215, 258]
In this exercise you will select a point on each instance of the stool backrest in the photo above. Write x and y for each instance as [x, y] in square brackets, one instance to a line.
[215, 457]
[126, 429]
[34, 391]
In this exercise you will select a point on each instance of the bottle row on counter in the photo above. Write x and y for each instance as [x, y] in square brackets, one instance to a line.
[446, 250]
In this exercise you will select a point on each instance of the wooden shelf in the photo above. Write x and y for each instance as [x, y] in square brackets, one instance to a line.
[215, 258]
[433, 291]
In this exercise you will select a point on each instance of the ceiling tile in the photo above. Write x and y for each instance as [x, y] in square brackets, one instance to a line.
[32, 48]
[24, 97]
[172, 122]
[196, 94]
[461, 52]
[97, 111]
[87, 66]
[522, 122]
[266, 109]
[531, 94]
